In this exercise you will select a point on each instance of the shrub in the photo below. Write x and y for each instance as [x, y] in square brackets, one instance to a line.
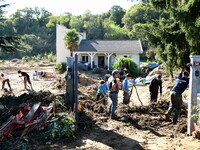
[61, 67]
[63, 128]
[196, 109]
[97, 71]
[51, 57]
[127, 63]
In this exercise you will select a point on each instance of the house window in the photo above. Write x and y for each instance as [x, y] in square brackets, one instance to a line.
[85, 58]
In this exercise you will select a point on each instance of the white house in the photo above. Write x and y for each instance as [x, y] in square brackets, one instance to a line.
[101, 52]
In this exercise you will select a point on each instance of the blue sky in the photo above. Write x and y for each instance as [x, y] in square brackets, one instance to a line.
[76, 7]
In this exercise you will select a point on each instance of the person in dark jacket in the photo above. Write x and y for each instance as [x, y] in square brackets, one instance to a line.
[26, 78]
[176, 96]
[153, 88]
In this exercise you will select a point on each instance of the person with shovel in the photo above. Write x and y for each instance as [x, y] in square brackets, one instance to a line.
[153, 88]
[5, 79]
[125, 88]
[176, 96]
[102, 89]
[26, 79]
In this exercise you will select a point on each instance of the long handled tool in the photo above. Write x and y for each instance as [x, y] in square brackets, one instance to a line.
[102, 99]
[138, 95]
[26, 83]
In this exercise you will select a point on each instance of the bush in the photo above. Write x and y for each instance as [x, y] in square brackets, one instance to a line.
[97, 71]
[51, 57]
[63, 128]
[127, 63]
[61, 67]
[196, 115]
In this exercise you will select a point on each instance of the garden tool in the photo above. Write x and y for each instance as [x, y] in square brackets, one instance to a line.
[138, 95]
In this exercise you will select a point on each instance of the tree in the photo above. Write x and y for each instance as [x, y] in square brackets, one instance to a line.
[114, 32]
[71, 40]
[116, 15]
[186, 15]
[127, 63]
[77, 23]
[7, 42]
[164, 33]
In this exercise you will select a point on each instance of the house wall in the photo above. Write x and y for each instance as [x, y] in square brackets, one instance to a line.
[61, 51]
[134, 57]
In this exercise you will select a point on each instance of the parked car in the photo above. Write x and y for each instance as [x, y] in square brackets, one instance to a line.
[84, 65]
[150, 67]
[150, 78]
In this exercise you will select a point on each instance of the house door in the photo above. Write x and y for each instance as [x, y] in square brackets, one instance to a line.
[101, 62]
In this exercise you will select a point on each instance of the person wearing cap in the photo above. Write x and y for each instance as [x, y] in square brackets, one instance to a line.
[113, 93]
[153, 88]
[176, 96]
[5, 79]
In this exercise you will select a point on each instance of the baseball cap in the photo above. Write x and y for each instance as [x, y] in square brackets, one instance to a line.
[115, 71]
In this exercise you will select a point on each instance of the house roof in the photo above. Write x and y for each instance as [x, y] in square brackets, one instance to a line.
[121, 46]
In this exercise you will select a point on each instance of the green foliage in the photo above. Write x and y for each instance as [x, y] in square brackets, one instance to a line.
[61, 67]
[114, 32]
[71, 40]
[97, 71]
[116, 15]
[26, 58]
[45, 58]
[63, 128]
[196, 115]
[51, 57]
[127, 63]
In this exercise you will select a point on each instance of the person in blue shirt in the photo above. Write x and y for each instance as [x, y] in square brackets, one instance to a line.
[102, 89]
[176, 96]
[125, 88]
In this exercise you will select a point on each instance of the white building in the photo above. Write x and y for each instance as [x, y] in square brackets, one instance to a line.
[101, 52]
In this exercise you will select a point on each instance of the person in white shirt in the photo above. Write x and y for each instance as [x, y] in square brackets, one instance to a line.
[5, 79]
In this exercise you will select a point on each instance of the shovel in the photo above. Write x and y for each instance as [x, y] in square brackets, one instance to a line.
[138, 95]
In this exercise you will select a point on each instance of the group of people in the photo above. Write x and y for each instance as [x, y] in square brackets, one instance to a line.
[113, 86]
[155, 87]
[176, 101]
[25, 75]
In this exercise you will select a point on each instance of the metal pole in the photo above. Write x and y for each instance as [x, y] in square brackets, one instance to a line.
[70, 84]
[76, 89]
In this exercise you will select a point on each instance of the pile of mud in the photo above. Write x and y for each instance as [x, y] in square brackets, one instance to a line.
[150, 117]
[59, 83]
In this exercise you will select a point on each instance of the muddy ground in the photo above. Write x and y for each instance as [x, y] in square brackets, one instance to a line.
[137, 127]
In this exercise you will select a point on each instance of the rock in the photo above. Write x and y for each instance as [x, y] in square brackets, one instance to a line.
[15, 60]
